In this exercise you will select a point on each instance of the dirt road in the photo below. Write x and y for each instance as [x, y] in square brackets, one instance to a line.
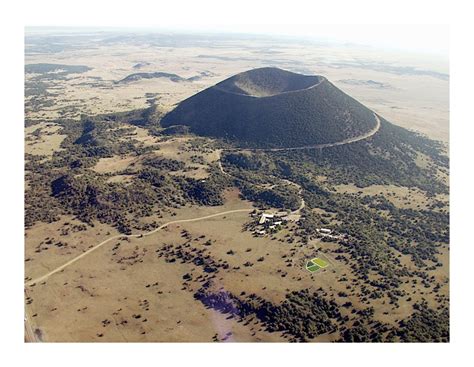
[30, 335]
[77, 258]
[316, 146]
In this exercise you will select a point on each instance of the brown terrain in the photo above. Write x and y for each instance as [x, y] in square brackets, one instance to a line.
[142, 287]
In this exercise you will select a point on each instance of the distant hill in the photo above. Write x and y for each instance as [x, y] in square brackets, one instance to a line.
[271, 107]
[138, 76]
[366, 83]
[141, 65]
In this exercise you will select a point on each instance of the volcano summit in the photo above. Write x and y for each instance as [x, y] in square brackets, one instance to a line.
[271, 107]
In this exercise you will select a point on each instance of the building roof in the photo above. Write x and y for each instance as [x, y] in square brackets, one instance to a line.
[264, 217]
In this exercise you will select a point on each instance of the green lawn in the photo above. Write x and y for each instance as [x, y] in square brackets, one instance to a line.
[313, 268]
[316, 264]
[320, 262]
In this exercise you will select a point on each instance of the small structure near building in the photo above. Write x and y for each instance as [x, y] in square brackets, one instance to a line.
[269, 222]
[264, 218]
[328, 233]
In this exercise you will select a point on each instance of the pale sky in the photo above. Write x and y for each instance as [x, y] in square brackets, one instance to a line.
[426, 39]
[377, 23]
[433, 39]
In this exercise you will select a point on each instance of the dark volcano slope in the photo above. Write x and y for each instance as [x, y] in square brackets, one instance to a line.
[270, 107]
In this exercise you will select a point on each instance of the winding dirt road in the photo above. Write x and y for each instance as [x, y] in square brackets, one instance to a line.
[77, 258]
[31, 336]
[320, 146]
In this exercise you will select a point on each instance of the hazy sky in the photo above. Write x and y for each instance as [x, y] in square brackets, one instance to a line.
[427, 39]
[377, 23]
[432, 39]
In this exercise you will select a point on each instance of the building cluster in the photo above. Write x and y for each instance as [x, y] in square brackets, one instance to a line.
[328, 233]
[271, 222]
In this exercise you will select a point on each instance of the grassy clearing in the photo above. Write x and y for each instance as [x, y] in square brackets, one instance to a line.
[313, 268]
[400, 196]
[114, 164]
[315, 264]
[320, 262]
[43, 139]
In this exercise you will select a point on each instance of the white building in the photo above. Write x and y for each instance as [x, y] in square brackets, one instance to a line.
[264, 218]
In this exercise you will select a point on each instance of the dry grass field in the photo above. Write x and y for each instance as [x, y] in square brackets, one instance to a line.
[125, 291]
[401, 197]
[43, 139]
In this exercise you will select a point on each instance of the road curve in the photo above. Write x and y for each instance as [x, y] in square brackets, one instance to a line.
[70, 262]
[316, 146]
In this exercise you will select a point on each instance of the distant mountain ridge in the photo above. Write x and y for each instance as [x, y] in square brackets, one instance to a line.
[271, 107]
[160, 74]
[138, 76]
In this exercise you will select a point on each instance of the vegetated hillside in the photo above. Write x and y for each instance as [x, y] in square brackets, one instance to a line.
[270, 107]
[141, 65]
[138, 76]
[388, 157]
[67, 184]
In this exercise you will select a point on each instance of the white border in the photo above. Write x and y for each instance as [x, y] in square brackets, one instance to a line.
[197, 14]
